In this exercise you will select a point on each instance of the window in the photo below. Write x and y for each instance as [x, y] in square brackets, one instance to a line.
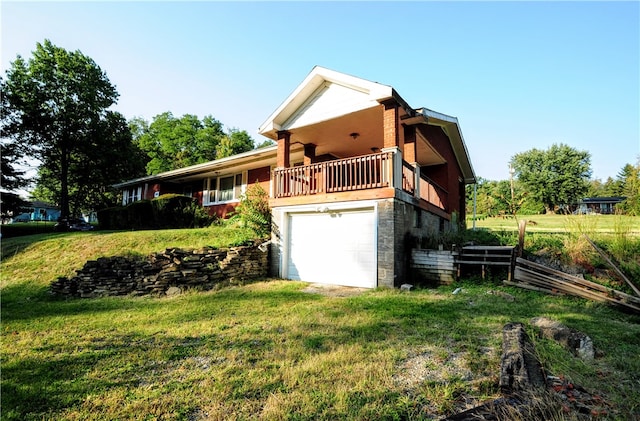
[226, 189]
[132, 194]
[222, 189]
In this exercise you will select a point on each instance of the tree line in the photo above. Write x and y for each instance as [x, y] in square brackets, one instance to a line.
[56, 112]
[552, 181]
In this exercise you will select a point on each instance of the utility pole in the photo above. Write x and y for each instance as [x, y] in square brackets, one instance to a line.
[511, 172]
[475, 195]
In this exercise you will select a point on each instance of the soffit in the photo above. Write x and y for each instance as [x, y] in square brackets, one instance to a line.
[324, 95]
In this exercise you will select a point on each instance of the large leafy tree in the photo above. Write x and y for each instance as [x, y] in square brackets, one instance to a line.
[13, 178]
[555, 177]
[12, 173]
[628, 185]
[234, 142]
[60, 100]
[493, 198]
[109, 155]
[171, 143]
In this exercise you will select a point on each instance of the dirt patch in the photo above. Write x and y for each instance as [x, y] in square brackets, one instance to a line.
[333, 290]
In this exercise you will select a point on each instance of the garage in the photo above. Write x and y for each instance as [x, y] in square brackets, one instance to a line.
[333, 247]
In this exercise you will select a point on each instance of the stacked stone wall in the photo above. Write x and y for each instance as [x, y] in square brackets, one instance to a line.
[161, 273]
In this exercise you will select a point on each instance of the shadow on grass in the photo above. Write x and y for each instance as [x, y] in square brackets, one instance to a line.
[60, 377]
[56, 375]
[15, 245]
[26, 301]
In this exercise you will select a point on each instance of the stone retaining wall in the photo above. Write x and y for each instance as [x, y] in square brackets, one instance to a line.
[171, 271]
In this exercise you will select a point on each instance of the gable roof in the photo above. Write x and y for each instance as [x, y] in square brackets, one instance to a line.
[327, 94]
[452, 128]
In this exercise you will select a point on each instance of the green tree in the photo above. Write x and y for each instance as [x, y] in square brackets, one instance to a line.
[173, 143]
[235, 142]
[493, 198]
[556, 177]
[60, 102]
[265, 143]
[109, 156]
[629, 187]
[12, 174]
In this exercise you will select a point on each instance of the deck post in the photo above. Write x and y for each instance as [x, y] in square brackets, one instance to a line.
[416, 172]
[395, 167]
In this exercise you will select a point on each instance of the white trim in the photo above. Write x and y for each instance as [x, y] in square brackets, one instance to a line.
[317, 77]
[206, 188]
[228, 162]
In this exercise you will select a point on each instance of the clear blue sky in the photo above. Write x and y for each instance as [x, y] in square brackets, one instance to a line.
[517, 75]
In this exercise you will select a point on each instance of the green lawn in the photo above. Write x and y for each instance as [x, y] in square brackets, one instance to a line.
[562, 223]
[26, 228]
[269, 349]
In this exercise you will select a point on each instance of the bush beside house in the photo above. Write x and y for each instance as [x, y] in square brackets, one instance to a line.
[166, 211]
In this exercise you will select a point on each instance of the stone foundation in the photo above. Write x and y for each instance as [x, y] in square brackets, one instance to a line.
[204, 269]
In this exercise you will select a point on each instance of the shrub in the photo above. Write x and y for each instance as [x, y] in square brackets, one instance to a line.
[172, 211]
[112, 218]
[166, 211]
[139, 215]
[254, 212]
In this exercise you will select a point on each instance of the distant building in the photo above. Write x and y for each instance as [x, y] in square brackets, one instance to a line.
[39, 211]
[601, 205]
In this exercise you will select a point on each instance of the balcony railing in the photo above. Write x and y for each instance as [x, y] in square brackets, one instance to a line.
[433, 193]
[358, 173]
[342, 175]
[408, 178]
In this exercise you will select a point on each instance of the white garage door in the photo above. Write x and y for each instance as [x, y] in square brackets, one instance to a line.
[333, 248]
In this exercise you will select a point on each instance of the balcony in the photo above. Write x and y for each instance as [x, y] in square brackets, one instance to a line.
[367, 172]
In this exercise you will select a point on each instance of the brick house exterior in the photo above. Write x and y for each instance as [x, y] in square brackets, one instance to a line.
[356, 175]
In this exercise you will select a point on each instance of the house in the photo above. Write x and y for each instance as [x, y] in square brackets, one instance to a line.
[355, 178]
[39, 211]
[602, 205]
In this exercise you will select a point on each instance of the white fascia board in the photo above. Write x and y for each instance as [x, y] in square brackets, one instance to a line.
[294, 100]
[455, 135]
[309, 86]
[376, 91]
[430, 114]
[205, 166]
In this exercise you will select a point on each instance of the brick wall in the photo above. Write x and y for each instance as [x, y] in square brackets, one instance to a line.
[399, 228]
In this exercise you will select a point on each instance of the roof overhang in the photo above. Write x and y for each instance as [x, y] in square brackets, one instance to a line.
[238, 162]
[373, 93]
[451, 127]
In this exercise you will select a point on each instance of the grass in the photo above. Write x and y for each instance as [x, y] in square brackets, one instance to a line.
[561, 223]
[26, 228]
[269, 349]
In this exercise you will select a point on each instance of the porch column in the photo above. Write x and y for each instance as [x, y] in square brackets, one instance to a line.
[395, 167]
[309, 154]
[411, 156]
[390, 124]
[410, 146]
[284, 143]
